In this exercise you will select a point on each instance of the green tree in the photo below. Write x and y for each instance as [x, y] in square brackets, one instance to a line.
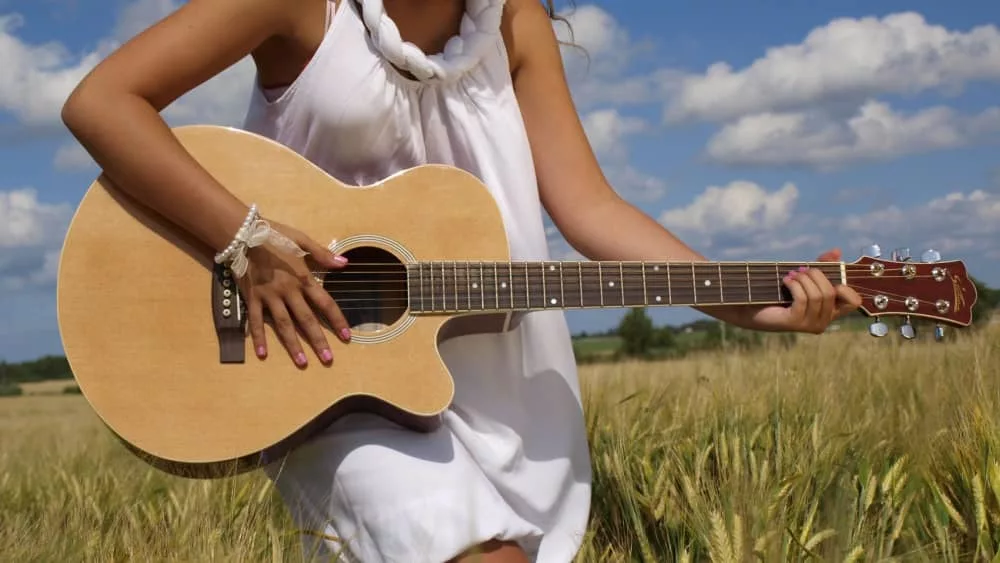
[664, 339]
[637, 332]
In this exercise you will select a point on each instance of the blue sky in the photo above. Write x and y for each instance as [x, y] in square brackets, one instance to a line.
[754, 130]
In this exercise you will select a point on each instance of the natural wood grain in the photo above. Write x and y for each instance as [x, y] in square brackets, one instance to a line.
[135, 316]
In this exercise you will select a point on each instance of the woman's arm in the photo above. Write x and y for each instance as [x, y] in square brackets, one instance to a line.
[583, 205]
[114, 113]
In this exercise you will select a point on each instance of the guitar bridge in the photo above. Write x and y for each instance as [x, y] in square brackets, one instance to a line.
[229, 315]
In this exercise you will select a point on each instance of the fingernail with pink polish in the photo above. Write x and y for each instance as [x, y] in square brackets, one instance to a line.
[261, 351]
[340, 260]
[300, 359]
[345, 334]
[803, 268]
[326, 355]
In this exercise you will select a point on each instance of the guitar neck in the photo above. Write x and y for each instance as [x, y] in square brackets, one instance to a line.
[455, 287]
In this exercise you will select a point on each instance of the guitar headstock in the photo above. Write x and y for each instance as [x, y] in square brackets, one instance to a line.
[932, 289]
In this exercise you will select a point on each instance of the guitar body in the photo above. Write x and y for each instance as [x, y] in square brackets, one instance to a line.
[139, 328]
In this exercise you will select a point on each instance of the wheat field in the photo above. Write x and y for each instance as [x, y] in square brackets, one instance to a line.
[842, 448]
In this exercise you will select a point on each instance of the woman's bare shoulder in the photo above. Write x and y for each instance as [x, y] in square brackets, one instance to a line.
[191, 45]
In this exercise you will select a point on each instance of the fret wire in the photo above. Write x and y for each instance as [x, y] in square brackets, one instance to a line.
[468, 286]
[579, 268]
[694, 283]
[444, 286]
[621, 280]
[562, 286]
[600, 281]
[527, 282]
[431, 269]
[749, 290]
[722, 295]
[645, 292]
[496, 285]
[482, 286]
[545, 294]
[420, 274]
[510, 283]
[670, 293]
[777, 274]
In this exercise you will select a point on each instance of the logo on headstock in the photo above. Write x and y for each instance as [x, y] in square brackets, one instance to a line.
[956, 286]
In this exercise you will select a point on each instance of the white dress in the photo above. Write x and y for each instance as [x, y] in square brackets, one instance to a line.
[511, 459]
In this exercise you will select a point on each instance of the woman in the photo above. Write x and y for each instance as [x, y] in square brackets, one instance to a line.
[507, 476]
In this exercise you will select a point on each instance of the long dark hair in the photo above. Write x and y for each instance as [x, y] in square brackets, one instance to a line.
[550, 7]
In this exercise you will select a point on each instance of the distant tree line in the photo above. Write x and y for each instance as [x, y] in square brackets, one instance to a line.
[42, 369]
[640, 339]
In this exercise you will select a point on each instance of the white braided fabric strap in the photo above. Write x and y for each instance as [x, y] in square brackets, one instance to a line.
[252, 233]
[479, 31]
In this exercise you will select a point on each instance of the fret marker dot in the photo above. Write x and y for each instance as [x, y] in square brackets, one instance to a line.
[552, 268]
[611, 284]
[656, 268]
[658, 299]
[553, 301]
[708, 283]
[475, 285]
[503, 285]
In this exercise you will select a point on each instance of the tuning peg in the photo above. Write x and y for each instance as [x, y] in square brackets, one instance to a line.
[907, 330]
[873, 250]
[878, 329]
[930, 256]
[901, 254]
[939, 332]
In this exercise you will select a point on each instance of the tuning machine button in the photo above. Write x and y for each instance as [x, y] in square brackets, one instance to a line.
[878, 329]
[901, 254]
[939, 332]
[907, 330]
[873, 250]
[930, 256]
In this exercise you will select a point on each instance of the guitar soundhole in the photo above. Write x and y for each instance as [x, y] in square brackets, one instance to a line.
[371, 290]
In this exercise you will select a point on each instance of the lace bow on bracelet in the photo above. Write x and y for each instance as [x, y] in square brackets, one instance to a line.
[252, 233]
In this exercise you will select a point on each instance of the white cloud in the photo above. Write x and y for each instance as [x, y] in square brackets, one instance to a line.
[608, 132]
[633, 185]
[35, 79]
[847, 59]
[598, 61]
[876, 132]
[737, 206]
[966, 223]
[741, 219]
[31, 233]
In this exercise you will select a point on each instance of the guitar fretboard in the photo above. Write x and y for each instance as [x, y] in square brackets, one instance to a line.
[448, 287]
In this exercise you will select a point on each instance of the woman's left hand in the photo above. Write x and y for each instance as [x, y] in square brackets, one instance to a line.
[816, 302]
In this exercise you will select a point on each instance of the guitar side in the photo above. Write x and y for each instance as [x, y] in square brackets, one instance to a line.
[136, 318]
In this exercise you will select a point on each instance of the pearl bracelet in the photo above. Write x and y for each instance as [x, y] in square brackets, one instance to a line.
[240, 240]
[253, 232]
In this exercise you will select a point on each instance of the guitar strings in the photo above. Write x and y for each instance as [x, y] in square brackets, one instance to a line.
[403, 301]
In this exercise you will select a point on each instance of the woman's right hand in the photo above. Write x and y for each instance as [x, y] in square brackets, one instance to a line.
[285, 285]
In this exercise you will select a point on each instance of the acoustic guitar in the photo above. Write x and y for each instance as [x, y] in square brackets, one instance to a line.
[155, 331]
